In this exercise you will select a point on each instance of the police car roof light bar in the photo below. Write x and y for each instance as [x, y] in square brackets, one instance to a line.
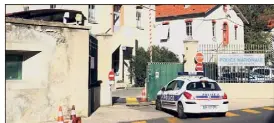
[191, 73]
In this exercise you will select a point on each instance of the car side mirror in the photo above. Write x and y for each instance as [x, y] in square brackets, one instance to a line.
[163, 89]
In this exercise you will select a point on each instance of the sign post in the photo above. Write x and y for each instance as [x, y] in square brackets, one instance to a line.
[199, 58]
[199, 67]
[111, 77]
[157, 75]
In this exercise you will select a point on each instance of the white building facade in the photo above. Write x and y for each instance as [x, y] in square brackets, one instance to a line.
[118, 26]
[207, 24]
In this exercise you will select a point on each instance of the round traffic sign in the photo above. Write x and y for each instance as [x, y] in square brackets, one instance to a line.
[199, 57]
[111, 75]
[199, 67]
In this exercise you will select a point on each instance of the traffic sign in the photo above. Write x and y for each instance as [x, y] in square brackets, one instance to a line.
[111, 75]
[199, 67]
[199, 57]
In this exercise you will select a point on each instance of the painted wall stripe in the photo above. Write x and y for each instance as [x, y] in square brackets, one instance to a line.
[150, 34]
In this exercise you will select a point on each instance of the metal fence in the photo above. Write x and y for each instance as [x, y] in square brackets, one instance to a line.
[238, 72]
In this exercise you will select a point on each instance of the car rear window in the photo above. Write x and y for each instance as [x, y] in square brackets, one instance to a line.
[203, 86]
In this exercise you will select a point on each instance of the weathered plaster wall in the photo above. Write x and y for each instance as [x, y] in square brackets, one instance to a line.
[56, 76]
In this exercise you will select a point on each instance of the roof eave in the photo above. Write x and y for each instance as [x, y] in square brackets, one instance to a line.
[240, 14]
[181, 16]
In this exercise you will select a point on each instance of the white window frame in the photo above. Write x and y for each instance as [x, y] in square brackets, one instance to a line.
[91, 13]
[189, 28]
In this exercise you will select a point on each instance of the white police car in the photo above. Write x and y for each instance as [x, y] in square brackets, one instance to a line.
[192, 94]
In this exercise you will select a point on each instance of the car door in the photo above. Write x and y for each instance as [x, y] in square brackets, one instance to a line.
[176, 93]
[167, 97]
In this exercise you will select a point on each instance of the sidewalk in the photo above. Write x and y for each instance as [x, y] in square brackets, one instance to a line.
[235, 104]
[122, 113]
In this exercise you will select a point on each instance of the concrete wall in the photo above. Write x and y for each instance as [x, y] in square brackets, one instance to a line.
[51, 78]
[125, 36]
[189, 46]
[103, 15]
[248, 90]
[201, 30]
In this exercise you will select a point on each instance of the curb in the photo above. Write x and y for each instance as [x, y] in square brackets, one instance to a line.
[132, 101]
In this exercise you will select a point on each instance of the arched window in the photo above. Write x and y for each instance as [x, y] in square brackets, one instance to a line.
[225, 34]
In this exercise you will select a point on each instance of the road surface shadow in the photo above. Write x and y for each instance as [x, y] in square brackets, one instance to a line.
[192, 115]
[271, 118]
[116, 99]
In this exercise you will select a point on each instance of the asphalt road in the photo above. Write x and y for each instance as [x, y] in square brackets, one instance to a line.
[256, 115]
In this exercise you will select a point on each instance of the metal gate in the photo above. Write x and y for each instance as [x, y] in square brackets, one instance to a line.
[235, 74]
[93, 83]
[159, 74]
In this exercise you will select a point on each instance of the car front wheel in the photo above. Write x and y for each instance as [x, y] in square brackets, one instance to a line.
[180, 110]
[158, 105]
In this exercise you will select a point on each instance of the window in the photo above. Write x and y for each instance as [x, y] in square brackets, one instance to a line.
[14, 67]
[203, 86]
[225, 8]
[186, 6]
[213, 28]
[265, 72]
[179, 84]
[116, 17]
[138, 18]
[189, 28]
[235, 28]
[225, 34]
[91, 13]
[26, 8]
[52, 6]
[171, 86]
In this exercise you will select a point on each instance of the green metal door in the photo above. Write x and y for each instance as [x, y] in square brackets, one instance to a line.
[159, 74]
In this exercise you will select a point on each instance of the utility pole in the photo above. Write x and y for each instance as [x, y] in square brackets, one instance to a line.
[150, 34]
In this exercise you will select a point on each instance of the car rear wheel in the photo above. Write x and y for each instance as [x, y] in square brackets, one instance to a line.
[180, 110]
[158, 105]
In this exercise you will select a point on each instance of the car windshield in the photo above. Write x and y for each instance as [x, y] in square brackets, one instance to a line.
[254, 73]
[203, 86]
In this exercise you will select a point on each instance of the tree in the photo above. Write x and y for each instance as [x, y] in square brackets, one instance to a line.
[138, 63]
[254, 31]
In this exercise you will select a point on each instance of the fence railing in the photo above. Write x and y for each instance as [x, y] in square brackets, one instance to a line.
[238, 72]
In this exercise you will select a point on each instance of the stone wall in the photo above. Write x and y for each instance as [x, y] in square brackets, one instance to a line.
[59, 71]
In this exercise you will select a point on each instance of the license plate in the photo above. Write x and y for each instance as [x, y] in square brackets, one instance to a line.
[209, 106]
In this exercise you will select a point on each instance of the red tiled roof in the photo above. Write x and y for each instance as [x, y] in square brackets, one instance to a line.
[174, 10]
[270, 23]
[269, 19]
